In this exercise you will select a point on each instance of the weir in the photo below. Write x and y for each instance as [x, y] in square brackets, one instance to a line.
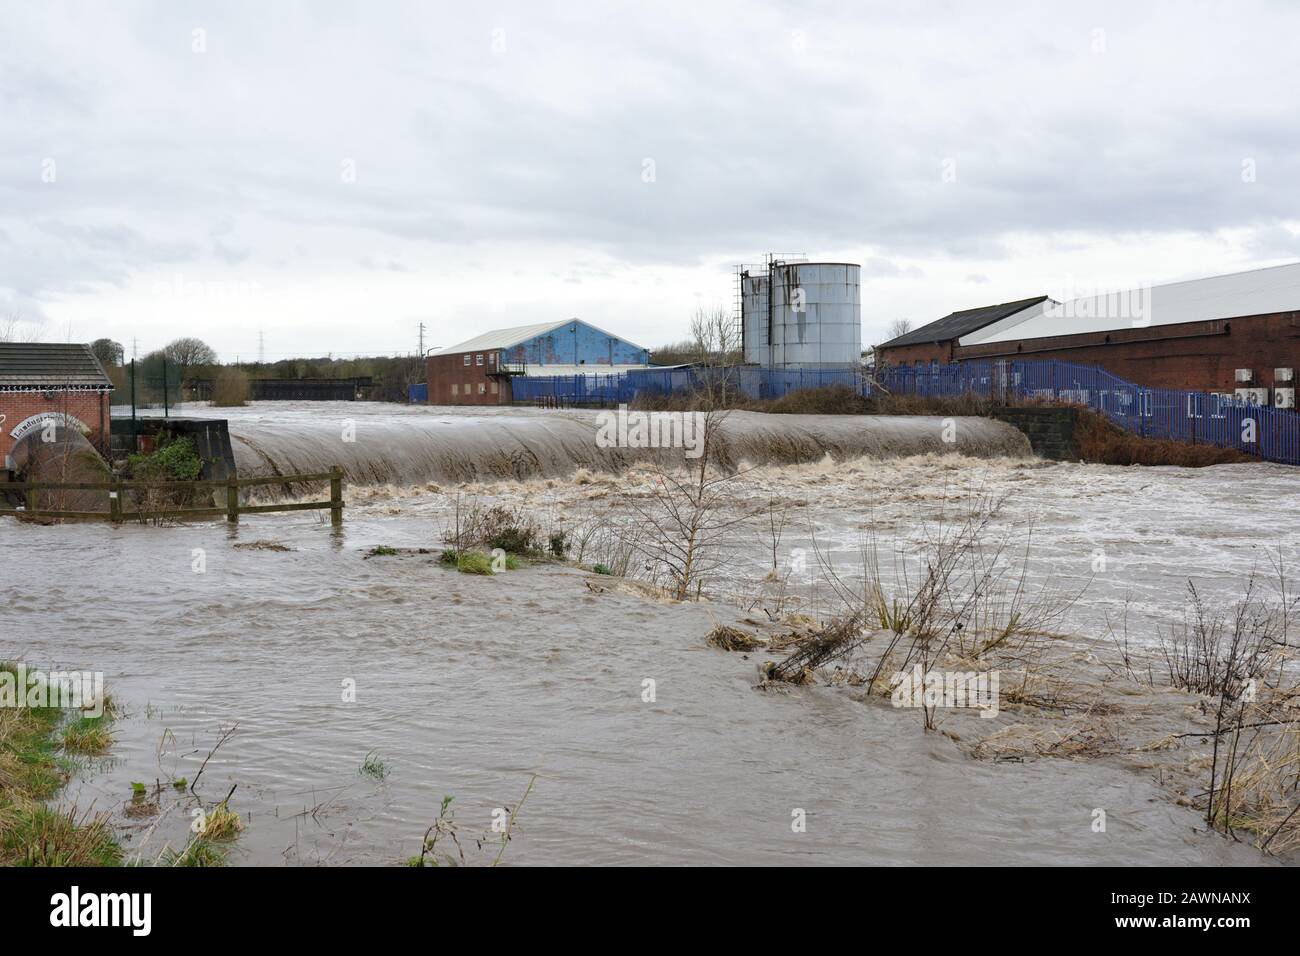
[377, 445]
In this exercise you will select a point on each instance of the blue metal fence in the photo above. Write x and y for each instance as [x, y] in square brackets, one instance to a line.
[1272, 434]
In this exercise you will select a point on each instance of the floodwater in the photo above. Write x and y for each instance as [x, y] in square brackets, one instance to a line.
[468, 686]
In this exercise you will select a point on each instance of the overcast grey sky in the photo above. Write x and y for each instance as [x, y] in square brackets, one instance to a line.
[331, 174]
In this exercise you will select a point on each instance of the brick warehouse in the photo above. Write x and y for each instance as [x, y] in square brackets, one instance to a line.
[479, 371]
[937, 341]
[1193, 335]
[40, 381]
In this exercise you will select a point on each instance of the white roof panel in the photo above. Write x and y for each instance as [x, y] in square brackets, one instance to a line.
[501, 338]
[1256, 292]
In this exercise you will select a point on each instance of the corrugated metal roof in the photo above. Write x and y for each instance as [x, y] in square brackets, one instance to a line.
[502, 338]
[538, 370]
[1256, 292]
[957, 324]
[50, 364]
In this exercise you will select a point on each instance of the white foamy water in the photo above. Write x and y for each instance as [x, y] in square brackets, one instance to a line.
[377, 444]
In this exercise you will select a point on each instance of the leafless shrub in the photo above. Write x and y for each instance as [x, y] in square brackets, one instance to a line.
[729, 638]
[962, 594]
[1213, 654]
[685, 519]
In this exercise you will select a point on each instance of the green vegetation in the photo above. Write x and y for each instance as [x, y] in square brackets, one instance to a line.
[448, 556]
[373, 767]
[87, 735]
[221, 823]
[31, 772]
[474, 562]
[200, 852]
[175, 460]
[381, 550]
[601, 569]
[559, 545]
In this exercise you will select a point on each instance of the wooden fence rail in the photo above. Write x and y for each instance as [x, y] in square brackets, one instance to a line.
[232, 509]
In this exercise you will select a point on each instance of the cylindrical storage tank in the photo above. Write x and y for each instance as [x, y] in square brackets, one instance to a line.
[816, 315]
[754, 318]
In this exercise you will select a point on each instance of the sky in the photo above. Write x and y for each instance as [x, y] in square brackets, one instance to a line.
[285, 178]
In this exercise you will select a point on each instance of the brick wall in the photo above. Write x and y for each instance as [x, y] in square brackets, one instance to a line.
[1199, 356]
[90, 408]
[452, 382]
[911, 354]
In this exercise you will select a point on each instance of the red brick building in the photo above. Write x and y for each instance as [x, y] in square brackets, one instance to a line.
[40, 382]
[937, 341]
[1217, 334]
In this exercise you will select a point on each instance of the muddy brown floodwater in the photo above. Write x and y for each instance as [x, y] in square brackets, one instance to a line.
[468, 686]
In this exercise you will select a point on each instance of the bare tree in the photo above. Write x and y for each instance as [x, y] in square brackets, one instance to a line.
[16, 328]
[899, 327]
[187, 352]
[716, 346]
[108, 352]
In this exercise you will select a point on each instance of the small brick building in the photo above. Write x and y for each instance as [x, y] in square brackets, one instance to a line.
[43, 381]
[479, 371]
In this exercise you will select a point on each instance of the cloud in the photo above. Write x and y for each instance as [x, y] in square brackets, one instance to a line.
[909, 135]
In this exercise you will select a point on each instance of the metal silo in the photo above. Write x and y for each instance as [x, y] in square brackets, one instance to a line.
[798, 314]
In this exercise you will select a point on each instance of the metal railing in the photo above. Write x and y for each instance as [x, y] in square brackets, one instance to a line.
[1272, 434]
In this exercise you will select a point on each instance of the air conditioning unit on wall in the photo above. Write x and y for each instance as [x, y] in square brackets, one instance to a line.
[1252, 396]
[1284, 375]
[1284, 398]
[1245, 375]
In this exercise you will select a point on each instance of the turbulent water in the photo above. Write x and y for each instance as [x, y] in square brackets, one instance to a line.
[468, 686]
[377, 444]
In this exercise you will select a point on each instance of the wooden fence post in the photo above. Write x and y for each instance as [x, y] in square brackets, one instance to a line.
[115, 503]
[336, 496]
[232, 500]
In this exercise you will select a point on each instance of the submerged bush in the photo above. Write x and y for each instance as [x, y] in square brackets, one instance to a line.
[559, 545]
[231, 388]
[174, 460]
[474, 562]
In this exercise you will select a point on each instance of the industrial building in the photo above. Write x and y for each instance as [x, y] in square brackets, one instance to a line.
[936, 343]
[479, 371]
[49, 381]
[1233, 334]
[796, 314]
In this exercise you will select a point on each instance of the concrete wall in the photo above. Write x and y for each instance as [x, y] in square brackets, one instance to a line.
[1199, 356]
[1050, 430]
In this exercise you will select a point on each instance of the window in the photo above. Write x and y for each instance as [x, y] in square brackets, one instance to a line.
[494, 388]
[482, 388]
[478, 359]
[455, 389]
[492, 358]
[466, 358]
